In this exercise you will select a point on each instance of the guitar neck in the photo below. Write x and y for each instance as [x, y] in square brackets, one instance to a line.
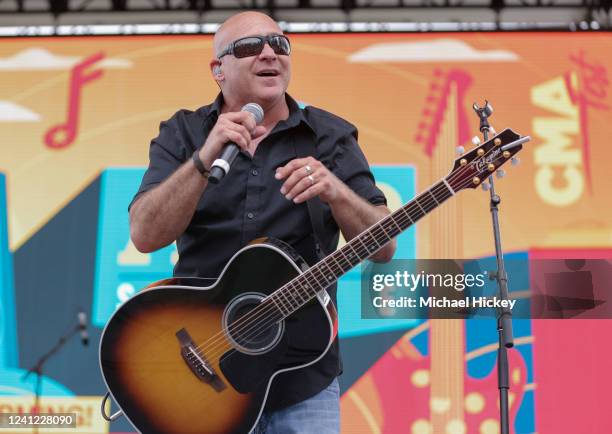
[305, 287]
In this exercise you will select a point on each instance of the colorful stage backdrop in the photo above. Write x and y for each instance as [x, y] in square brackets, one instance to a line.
[76, 118]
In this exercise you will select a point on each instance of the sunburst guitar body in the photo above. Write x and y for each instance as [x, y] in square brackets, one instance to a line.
[179, 357]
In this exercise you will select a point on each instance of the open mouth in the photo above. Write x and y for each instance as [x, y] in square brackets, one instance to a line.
[267, 73]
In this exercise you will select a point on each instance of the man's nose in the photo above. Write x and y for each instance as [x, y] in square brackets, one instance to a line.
[267, 51]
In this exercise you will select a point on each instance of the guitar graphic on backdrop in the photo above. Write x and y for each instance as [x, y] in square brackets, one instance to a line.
[63, 134]
[406, 391]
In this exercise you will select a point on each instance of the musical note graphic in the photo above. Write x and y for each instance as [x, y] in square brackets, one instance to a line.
[62, 135]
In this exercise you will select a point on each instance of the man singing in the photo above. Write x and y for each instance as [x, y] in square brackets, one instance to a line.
[295, 155]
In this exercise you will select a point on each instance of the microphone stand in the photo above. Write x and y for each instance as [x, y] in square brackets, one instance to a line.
[504, 320]
[38, 366]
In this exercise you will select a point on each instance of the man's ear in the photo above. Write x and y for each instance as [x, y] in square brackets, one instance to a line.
[216, 70]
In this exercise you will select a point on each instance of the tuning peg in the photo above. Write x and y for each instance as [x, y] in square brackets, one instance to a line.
[486, 186]
[475, 140]
[515, 161]
[500, 173]
[459, 150]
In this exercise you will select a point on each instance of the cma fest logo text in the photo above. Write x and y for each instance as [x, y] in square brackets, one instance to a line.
[563, 166]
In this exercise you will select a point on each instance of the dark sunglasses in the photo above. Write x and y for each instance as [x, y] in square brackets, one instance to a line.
[254, 45]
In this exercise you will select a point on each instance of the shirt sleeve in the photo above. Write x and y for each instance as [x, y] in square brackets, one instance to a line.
[350, 165]
[166, 153]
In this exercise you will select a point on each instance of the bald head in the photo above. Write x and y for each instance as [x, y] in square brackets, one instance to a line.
[240, 25]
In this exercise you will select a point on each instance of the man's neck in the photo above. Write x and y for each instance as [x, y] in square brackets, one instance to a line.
[276, 112]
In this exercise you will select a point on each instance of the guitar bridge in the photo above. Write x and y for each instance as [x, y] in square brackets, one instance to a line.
[197, 362]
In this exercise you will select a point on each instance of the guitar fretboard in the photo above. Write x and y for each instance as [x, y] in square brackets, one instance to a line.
[305, 287]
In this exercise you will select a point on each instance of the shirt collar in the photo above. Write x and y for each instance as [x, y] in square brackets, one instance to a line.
[296, 113]
[215, 107]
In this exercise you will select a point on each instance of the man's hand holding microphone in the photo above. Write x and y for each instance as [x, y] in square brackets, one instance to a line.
[232, 132]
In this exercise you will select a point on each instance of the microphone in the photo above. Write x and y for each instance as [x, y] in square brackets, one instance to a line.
[82, 316]
[222, 164]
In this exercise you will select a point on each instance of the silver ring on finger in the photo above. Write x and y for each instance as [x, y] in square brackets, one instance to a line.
[308, 169]
[311, 179]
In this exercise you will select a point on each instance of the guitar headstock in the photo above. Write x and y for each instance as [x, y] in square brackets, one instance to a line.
[475, 166]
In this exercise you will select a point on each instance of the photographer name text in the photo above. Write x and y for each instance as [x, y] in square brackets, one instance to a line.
[442, 302]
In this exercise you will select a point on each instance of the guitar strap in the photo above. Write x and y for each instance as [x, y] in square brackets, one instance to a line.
[306, 148]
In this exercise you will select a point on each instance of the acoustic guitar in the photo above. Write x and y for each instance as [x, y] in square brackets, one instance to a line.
[183, 357]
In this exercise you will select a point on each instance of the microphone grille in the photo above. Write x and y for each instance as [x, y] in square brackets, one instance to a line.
[255, 110]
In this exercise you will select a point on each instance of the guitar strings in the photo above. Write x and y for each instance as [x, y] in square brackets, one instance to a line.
[255, 316]
[217, 350]
[259, 312]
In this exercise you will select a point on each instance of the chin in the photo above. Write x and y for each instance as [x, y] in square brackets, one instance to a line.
[269, 95]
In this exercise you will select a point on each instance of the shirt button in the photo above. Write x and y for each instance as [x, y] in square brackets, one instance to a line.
[254, 172]
[250, 215]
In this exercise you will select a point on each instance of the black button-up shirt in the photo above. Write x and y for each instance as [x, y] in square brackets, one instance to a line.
[247, 204]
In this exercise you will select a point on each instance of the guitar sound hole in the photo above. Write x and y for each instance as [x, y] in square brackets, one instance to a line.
[251, 333]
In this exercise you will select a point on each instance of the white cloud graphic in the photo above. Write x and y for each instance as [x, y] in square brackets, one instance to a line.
[41, 59]
[11, 112]
[439, 50]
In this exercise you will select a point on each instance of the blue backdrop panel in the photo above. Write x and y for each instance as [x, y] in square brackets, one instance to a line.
[399, 184]
[120, 269]
[8, 337]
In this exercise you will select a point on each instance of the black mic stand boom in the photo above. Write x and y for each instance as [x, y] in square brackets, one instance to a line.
[504, 320]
